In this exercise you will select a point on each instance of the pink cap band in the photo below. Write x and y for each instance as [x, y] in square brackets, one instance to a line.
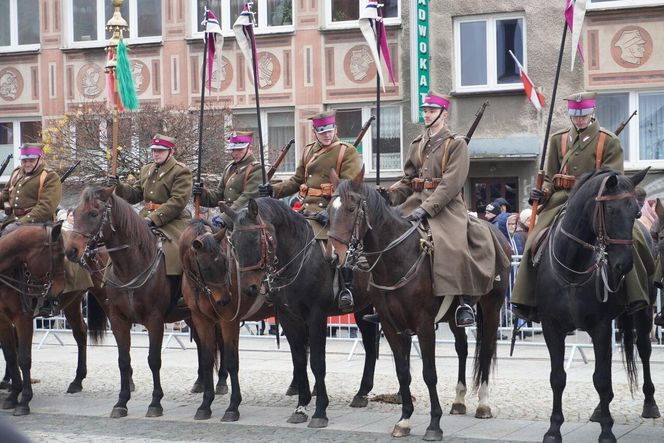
[162, 142]
[32, 151]
[583, 104]
[436, 102]
[330, 120]
[241, 139]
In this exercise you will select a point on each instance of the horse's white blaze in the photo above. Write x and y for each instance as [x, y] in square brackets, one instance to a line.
[336, 203]
[484, 394]
[460, 394]
[404, 423]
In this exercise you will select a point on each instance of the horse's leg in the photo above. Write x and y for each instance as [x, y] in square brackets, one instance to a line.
[24, 329]
[74, 316]
[206, 349]
[296, 334]
[555, 343]
[369, 333]
[461, 348]
[155, 327]
[317, 338]
[400, 345]
[230, 331]
[601, 335]
[643, 326]
[222, 376]
[121, 331]
[427, 341]
[9, 350]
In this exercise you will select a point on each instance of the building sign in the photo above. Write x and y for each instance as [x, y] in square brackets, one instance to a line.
[419, 56]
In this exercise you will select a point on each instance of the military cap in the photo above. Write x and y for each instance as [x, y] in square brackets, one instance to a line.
[239, 140]
[325, 121]
[435, 100]
[31, 150]
[581, 103]
[160, 141]
[630, 38]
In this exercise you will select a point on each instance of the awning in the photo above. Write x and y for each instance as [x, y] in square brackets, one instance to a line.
[513, 147]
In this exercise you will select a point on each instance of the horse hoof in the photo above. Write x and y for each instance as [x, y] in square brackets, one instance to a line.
[118, 412]
[317, 423]
[433, 435]
[197, 388]
[359, 401]
[650, 411]
[203, 414]
[483, 412]
[291, 391]
[154, 411]
[221, 390]
[297, 417]
[549, 438]
[458, 409]
[400, 431]
[74, 388]
[231, 416]
[609, 438]
[9, 404]
[21, 410]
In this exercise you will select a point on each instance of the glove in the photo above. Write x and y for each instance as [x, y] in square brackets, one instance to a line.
[112, 181]
[536, 194]
[322, 217]
[150, 223]
[197, 190]
[383, 193]
[265, 190]
[218, 221]
[417, 215]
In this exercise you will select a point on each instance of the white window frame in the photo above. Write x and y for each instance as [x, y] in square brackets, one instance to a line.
[16, 122]
[101, 41]
[353, 24]
[368, 154]
[227, 21]
[13, 28]
[492, 81]
[623, 4]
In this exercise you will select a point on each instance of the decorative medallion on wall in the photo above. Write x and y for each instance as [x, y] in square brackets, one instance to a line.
[91, 80]
[11, 84]
[141, 76]
[359, 65]
[222, 76]
[269, 70]
[631, 46]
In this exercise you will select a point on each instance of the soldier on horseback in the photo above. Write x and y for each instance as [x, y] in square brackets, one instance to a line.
[240, 179]
[313, 184]
[431, 190]
[574, 151]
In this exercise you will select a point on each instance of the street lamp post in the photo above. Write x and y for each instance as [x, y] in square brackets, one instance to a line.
[117, 26]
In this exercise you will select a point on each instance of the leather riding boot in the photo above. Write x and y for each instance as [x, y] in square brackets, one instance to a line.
[372, 318]
[345, 297]
[464, 315]
[659, 319]
[525, 312]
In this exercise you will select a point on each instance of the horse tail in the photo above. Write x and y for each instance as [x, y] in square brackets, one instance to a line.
[96, 319]
[485, 350]
[625, 323]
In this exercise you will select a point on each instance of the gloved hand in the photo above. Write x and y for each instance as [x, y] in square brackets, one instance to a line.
[197, 189]
[218, 221]
[112, 181]
[417, 215]
[150, 223]
[536, 194]
[322, 217]
[265, 190]
[383, 193]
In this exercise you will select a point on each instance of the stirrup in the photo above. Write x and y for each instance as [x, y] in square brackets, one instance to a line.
[346, 302]
[464, 316]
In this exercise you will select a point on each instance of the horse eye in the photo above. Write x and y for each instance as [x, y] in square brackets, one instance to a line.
[94, 213]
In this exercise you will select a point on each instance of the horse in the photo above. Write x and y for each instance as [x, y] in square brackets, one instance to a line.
[137, 288]
[31, 268]
[588, 253]
[276, 252]
[361, 222]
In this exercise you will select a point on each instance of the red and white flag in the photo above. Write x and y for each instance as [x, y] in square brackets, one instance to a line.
[215, 40]
[575, 11]
[244, 36]
[535, 96]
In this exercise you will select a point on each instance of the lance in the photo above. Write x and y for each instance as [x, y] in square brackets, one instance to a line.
[258, 108]
[378, 66]
[197, 200]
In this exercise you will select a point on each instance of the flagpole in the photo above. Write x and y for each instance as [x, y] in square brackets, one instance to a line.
[258, 111]
[378, 67]
[197, 200]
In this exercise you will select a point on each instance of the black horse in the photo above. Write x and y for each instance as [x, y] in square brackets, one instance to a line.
[588, 253]
[275, 250]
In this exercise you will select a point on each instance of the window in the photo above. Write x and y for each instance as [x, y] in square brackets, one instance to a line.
[19, 25]
[270, 15]
[643, 137]
[487, 189]
[278, 129]
[349, 125]
[606, 4]
[13, 133]
[87, 21]
[482, 48]
[344, 13]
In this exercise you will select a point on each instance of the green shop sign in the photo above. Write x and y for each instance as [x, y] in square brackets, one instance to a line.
[419, 60]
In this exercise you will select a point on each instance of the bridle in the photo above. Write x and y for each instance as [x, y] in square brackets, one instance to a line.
[599, 247]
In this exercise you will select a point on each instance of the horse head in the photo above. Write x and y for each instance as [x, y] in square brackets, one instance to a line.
[253, 246]
[658, 234]
[91, 220]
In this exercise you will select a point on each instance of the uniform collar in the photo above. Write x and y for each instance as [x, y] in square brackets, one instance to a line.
[587, 135]
[318, 146]
[248, 159]
[438, 136]
[166, 166]
[36, 171]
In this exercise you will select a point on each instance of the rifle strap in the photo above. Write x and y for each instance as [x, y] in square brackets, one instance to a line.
[42, 179]
[599, 153]
[340, 158]
[246, 176]
[446, 156]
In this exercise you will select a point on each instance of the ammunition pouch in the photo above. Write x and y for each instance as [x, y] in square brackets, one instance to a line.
[326, 190]
[563, 181]
[420, 184]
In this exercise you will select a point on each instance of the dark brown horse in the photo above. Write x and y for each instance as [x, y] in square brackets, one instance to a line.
[137, 288]
[361, 222]
[31, 268]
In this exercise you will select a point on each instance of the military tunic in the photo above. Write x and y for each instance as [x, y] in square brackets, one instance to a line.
[23, 194]
[581, 148]
[238, 184]
[464, 247]
[168, 186]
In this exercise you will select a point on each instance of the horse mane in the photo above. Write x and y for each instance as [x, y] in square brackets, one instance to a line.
[124, 218]
[377, 207]
[279, 214]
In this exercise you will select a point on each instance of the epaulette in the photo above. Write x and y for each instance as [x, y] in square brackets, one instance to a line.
[607, 132]
[561, 131]
[458, 137]
[418, 138]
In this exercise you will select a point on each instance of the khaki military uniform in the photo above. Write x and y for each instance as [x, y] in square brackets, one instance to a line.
[464, 248]
[312, 176]
[238, 184]
[581, 157]
[165, 189]
[34, 197]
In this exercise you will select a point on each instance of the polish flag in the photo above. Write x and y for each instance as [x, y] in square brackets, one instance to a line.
[535, 96]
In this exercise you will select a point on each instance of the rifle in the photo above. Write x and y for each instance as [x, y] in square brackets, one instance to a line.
[622, 125]
[279, 159]
[478, 116]
[5, 163]
[69, 171]
[363, 131]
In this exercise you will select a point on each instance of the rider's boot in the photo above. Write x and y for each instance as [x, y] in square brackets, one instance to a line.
[372, 318]
[464, 314]
[345, 296]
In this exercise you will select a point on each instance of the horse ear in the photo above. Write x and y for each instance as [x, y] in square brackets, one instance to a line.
[103, 194]
[612, 181]
[659, 209]
[197, 244]
[56, 231]
[223, 207]
[252, 209]
[356, 183]
[636, 178]
[219, 235]
[334, 178]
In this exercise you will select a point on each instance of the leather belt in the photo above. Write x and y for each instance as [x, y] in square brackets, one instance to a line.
[326, 190]
[18, 212]
[419, 184]
[152, 206]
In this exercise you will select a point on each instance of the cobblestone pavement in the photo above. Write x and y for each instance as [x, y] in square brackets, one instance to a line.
[520, 397]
